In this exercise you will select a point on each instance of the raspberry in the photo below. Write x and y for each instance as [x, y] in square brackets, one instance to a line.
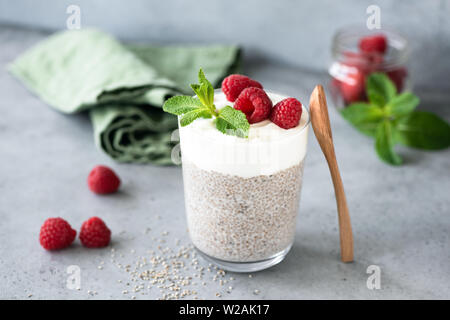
[56, 233]
[365, 62]
[375, 43]
[255, 104]
[398, 76]
[94, 233]
[103, 180]
[353, 88]
[287, 113]
[233, 85]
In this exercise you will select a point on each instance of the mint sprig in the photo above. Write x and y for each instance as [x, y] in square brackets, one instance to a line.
[227, 120]
[391, 118]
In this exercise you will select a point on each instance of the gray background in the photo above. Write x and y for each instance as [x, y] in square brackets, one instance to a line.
[288, 31]
[400, 215]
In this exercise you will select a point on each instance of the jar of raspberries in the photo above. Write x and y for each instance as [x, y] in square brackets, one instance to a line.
[359, 52]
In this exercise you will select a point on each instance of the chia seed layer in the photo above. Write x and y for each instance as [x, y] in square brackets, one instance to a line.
[241, 219]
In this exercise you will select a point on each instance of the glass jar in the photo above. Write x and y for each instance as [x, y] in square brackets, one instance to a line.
[354, 61]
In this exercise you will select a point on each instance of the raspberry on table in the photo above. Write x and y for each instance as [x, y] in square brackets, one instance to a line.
[234, 84]
[56, 233]
[287, 113]
[254, 103]
[103, 180]
[94, 233]
[374, 43]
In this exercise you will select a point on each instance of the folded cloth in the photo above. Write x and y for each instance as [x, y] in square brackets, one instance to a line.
[122, 87]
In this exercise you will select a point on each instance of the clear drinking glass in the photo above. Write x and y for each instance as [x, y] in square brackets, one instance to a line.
[242, 213]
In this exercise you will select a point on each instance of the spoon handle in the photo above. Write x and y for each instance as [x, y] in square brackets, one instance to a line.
[322, 129]
[345, 226]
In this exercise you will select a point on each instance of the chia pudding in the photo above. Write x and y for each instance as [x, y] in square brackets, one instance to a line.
[242, 195]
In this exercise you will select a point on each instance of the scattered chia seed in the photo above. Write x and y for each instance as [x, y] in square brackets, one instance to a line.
[167, 271]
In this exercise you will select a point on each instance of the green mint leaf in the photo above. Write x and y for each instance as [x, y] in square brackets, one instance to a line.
[384, 144]
[204, 82]
[402, 104]
[380, 89]
[204, 90]
[196, 89]
[364, 117]
[201, 94]
[368, 129]
[361, 112]
[223, 125]
[423, 130]
[376, 99]
[226, 128]
[179, 105]
[190, 116]
[232, 122]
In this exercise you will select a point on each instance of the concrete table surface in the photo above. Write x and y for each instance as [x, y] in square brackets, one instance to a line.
[400, 215]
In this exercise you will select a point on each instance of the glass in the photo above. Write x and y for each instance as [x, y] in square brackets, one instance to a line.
[350, 67]
[240, 223]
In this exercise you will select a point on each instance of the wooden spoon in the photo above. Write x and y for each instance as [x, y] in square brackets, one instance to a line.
[322, 129]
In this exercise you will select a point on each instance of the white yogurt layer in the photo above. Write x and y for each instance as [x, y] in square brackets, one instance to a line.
[268, 149]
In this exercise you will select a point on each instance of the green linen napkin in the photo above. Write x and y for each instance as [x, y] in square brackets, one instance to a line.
[123, 87]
